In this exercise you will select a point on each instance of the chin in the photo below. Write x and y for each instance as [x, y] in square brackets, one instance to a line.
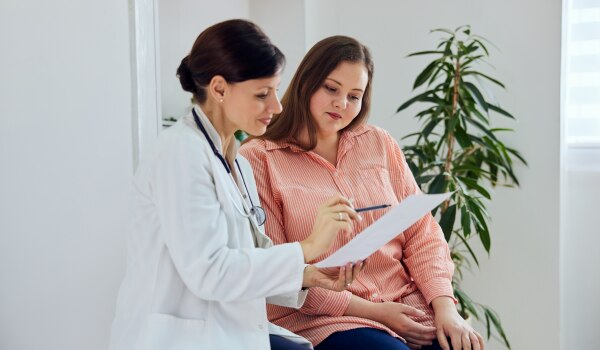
[256, 132]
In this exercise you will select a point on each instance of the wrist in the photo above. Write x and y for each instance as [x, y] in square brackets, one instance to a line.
[308, 277]
[377, 312]
[307, 250]
[443, 304]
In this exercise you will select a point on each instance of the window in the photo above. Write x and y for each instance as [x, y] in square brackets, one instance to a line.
[582, 78]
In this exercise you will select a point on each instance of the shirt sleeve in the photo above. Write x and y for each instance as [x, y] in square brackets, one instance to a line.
[195, 230]
[318, 301]
[426, 253]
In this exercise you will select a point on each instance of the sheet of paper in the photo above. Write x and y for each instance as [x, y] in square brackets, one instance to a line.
[390, 225]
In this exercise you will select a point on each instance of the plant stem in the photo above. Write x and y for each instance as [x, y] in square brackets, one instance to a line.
[450, 142]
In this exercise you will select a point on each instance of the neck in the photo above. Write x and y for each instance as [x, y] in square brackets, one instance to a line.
[327, 147]
[328, 141]
[216, 116]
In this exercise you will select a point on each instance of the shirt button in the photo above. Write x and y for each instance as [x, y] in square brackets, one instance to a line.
[374, 295]
[260, 326]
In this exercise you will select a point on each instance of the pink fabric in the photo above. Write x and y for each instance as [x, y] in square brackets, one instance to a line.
[371, 169]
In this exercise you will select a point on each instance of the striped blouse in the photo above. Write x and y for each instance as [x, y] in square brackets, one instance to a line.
[414, 268]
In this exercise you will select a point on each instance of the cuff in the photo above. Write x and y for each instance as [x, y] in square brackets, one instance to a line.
[437, 287]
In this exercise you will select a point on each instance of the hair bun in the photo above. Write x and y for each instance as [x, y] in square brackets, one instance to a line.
[185, 75]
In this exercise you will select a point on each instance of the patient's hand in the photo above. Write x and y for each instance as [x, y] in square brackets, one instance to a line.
[333, 278]
[397, 317]
[450, 324]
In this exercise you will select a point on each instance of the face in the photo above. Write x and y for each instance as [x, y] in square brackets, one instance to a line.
[339, 99]
[249, 105]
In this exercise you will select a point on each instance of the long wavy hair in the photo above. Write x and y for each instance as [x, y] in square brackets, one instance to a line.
[319, 62]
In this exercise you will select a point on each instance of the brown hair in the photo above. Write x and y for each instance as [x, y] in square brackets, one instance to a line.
[236, 49]
[318, 63]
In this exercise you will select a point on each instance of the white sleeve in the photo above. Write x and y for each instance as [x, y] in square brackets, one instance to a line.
[195, 231]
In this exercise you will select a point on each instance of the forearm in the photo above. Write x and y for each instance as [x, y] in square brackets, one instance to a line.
[321, 301]
[443, 304]
[360, 307]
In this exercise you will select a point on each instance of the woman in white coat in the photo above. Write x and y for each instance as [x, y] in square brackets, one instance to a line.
[199, 267]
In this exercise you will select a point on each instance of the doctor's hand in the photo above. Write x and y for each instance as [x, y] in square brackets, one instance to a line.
[334, 216]
[333, 278]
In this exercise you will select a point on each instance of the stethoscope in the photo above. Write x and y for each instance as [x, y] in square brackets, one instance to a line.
[255, 210]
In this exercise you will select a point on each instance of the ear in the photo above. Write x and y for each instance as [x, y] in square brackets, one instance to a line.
[217, 88]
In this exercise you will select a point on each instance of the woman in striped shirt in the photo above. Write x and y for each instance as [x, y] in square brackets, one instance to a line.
[321, 145]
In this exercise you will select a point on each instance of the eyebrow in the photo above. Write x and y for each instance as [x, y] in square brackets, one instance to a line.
[340, 84]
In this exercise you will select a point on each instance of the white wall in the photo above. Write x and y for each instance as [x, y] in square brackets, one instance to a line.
[286, 31]
[66, 162]
[66, 157]
[180, 22]
[521, 278]
[580, 259]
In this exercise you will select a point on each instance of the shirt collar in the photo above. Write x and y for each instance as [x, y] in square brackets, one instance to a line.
[346, 136]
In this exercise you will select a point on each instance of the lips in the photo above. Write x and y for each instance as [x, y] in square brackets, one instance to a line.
[334, 116]
[265, 121]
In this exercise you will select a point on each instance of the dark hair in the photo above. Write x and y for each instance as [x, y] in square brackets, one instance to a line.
[318, 63]
[236, 49]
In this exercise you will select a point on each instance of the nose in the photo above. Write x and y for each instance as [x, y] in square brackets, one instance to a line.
[275, 105]
[340, 103]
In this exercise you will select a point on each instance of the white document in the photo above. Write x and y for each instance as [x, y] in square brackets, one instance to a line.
[390, 225]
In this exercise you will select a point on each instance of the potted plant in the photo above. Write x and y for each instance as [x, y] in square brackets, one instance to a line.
[456, 149]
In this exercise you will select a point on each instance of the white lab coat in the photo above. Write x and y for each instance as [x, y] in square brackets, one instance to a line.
[194, 278]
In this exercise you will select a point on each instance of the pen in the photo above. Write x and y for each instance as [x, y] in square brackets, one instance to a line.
[372, 208]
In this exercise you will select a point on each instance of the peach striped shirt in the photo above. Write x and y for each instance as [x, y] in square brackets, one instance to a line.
[414, 268]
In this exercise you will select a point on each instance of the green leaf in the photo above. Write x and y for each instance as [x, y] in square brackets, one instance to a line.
[472, 184]
[466, 244]
[462, 138]
[438, 185]
[471, 72]
[499, 110]
[447, 221]
[425, 74]
[497, 324]
[477, 94]
[425, 53]
[419, 97]
[516, 154]
[448, 31]
[465, 222]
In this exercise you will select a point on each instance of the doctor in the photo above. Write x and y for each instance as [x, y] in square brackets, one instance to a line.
[199, 266]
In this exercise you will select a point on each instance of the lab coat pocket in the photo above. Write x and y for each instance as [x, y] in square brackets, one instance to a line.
[166, 332]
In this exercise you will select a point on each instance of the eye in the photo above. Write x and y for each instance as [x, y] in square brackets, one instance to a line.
[329, 88]
[354, 98]
[262, 96]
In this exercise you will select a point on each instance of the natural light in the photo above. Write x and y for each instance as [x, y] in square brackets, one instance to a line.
[582, 78]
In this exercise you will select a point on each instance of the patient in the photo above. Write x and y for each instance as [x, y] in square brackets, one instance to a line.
[321, 145]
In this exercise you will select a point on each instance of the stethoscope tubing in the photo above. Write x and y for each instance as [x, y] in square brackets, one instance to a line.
[245, 212]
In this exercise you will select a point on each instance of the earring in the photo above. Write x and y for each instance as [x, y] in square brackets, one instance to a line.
[220, 100]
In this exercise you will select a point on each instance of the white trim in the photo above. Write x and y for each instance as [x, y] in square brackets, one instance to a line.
[144, 75]
[562, 186]
[583, 144]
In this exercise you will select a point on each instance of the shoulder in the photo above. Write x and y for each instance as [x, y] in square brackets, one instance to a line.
[178, 144]
[254, 145]
[372, 132]
[254, 150]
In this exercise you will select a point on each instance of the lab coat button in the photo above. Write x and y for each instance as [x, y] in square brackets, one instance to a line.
[260, 326]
